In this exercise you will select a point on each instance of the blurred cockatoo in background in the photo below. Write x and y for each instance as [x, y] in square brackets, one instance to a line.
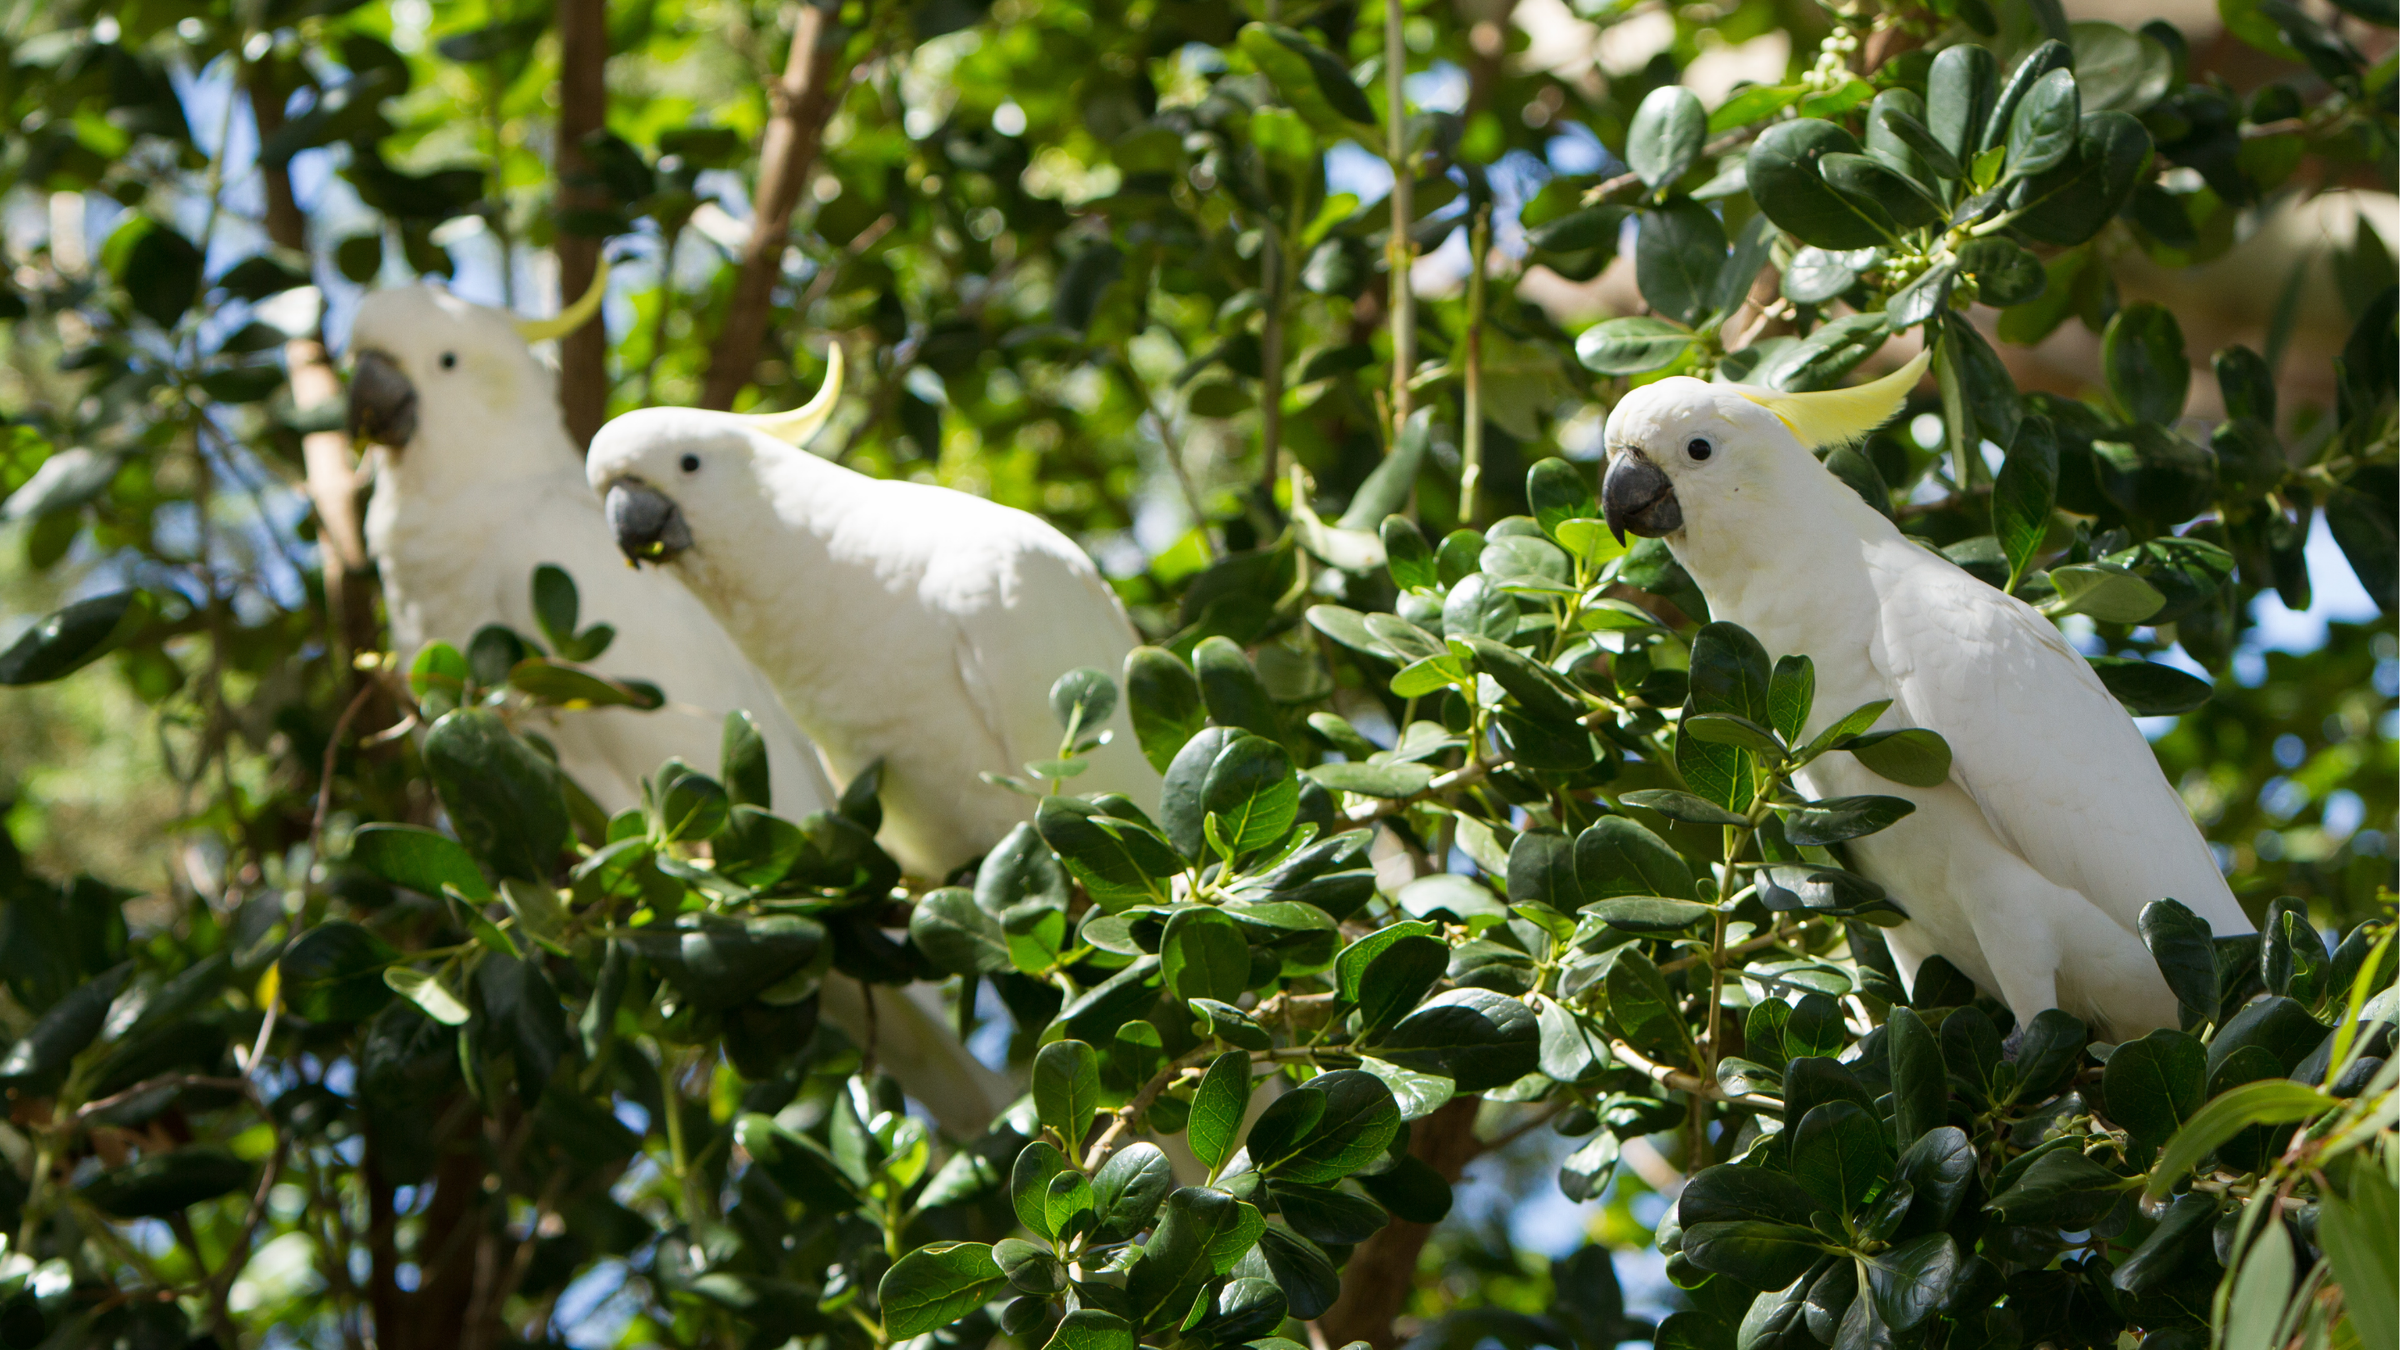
[477, 486]
[2029, 867]
[900, 622]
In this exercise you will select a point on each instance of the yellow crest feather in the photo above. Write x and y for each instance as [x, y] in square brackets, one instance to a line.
[1838, 416]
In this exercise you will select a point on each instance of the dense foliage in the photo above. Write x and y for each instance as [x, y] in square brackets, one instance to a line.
[378, 1032]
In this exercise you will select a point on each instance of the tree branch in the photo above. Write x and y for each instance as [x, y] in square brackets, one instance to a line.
[802, 100]
[582, 110]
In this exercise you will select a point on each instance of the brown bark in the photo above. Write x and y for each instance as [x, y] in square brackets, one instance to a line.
[801, 103]
[582, 110]
[1383, 1271]
[332, 471]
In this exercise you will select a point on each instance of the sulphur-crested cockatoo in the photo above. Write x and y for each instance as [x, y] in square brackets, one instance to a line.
[901, 622]
[2028, 868]
[477, 486]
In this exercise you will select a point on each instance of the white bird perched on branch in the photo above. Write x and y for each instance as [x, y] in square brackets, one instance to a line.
[901, 622]
[2028, 868]
[478, 486]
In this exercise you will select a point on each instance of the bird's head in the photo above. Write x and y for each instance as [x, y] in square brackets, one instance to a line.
[425, 361]
[1682, 450]
[660, 469]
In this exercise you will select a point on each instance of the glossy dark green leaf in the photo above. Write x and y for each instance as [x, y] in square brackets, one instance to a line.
[1631, 346]
[1397, 976]
[1676, 258]
[1230, 686]
[1913, 1281]
[1920, 1088]
[2044, 125]
[2005, 274]
[1322, 1214]
[1163, 698]
[1910, 755]
[2155, 1084]
[1618, 856]
[798, 1165]
[1556, 490]
[38, 1062]
[1218, 1108]
[742, 763]
[1897, 135]
[1922, 298]
[1643, 1010]
[1671, 804]
[69, 639]
[1759, 1254]
[1732, 1191]
[1204, 955]
[1785, 182]
[2149, 689]
[1960, 90]
[937, 1284]
[957, 935]
[1201, 1235]
[2025, 492]
[1411, 1189]
[1840, 1155]
[1874, 185]
[1405, 553]
[2062, 1189]
[1309, 1281]
[1663, 141]
[1118, 862]
[2069, 203]
[1128, 1190]
[1938, 1169]
[503, 796]
[2185, 1224]
[2246, 384]
[1816, 275]
[1066, 1088]
[2363, 524]
[2142, 356]
[1650, 915]
[422, 860]
[334, 973]
[1839, 818]
[1475, 1037]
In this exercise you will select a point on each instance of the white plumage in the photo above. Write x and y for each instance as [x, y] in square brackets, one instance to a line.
[899, 621]
[2027, 869]
[484, 487]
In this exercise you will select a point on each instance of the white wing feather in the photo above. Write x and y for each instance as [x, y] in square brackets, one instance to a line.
[2057, 766]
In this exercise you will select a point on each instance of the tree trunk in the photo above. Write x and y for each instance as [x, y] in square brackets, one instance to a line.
[582, 110]
[802, 102]
[1382, 1272]
[332, 471]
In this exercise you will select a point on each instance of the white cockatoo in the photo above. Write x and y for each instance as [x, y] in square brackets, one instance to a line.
[477, 486]
[901, 622]
[2027, 869]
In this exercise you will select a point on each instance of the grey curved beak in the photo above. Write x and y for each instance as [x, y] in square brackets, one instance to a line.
[648, 525]
[1637, 496]
[383, 404]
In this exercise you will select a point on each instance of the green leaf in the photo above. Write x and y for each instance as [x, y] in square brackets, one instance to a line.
[1785, 182]
[1119, 862]
[2025, 492]
[1397, 976]
[720, 962]
[1322, 1214]
[1873, 185]
[1350, 968]
[1920, 1087]
[1791, 691]
[1202, 1234]
[2062, 1189]
[1648, 914]
[1232, 689]
[2360, 1234]
[37, 1063]
[937, 1284]
[1960, 91]
[1326, 1128]
[1128, 1189]
[2071, 202]
[1675, 805]
[1557, 492]
[334, 973]
[1676, 258]
[1644, 1011]
[1302, 68]
[2043, 129]
[2142, 356]
[164, 1184]
[742, 762]
[1375, 780]
[1253, 792]
[1037, 1165]
[69, 639]
[1406, 554]
[503, 797]
[2269, 1101]
[1937, 1169]
[1840, 1155]
[1475, 1037]
[1218, 1108]
[2104, 591]
[1759, 1254]
[1066, 1089]
[1082, 699]
[1163, 697]
[2261, 1287]
[1910, 755]
[1753, 103]
[1839, 818]
[798, 1165]
[419, 859]
[1913, 1281]
[2187, 1217]
[1204, 955]
[1617, 856]
[1726, 729]
[1663, 141]
[957, 935]
[1631, 346]
[1091, 1329]
[2149, 689]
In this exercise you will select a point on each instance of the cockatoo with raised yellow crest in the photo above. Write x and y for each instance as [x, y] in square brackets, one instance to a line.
[477, 485]
[2029, 867]
[901, 622]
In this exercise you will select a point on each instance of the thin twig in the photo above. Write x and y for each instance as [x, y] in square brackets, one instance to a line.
[1684, 1082]
[333, 746]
